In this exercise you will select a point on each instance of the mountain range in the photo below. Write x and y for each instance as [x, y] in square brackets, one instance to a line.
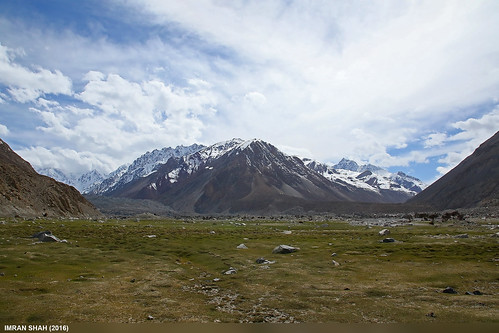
[238, 176]
[245, 176]
[381, 185]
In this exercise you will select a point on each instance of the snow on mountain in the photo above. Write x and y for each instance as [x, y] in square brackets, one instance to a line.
[369, 177]
[142, 167]
[81, 182]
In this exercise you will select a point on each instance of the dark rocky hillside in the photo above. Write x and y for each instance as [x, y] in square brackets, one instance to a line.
[24, 192]
[472, 183]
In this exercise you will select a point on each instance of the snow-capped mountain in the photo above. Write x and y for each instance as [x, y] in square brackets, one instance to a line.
[141, 167]
[252, 175]
[233, 176]
[395, 187]
[81, 182]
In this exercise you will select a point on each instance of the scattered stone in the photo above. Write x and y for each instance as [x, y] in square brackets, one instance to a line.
[230, 271]
[388, 240]
[334, 262]
[449, 290]
[462, 236]
[216, 279]
[264, 261]
[45, 236]
[212, 232]
[149, 317]
[284, 249]
[242, 246]
[496, 234]
[477, 292]
[132, 280]
[334, 254]
[287, 232]
[151, 236]
[431, 314]
[468, 293]
[384, 232]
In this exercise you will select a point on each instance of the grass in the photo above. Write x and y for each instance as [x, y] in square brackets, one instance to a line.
[114, 272]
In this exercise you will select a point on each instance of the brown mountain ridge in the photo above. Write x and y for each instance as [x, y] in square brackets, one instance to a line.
[25, 193]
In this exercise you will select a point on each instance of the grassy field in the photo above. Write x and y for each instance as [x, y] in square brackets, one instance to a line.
[173, 271]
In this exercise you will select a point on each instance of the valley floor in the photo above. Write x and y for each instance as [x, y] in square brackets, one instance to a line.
[123, 271]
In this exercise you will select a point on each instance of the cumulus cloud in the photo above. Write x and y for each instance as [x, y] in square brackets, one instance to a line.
[386, 82]
[122, 116]
[68, 160]
[4, 131]
[25, 84]
[435, 139]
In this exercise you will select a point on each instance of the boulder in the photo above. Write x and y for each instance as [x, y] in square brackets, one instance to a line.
[264, 261]
[283, 249]
[461, 236]
[384, 232]
[335, 263]
[242, 246]
[46, 236]
[230, 271]
[388, 240]
[449, 290]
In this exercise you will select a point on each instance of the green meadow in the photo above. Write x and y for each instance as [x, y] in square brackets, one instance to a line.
[173, 271]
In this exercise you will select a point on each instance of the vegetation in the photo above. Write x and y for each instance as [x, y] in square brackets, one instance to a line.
[173, 271]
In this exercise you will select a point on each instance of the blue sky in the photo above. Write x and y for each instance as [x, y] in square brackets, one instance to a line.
[407, 85]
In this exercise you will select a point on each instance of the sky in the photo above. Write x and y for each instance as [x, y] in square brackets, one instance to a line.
[406, 85]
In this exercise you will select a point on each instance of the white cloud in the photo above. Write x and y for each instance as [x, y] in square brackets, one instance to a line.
[4, 131]
[26, 85]
[355, 79]
[435, 139]
[68, 160]
[122, 116]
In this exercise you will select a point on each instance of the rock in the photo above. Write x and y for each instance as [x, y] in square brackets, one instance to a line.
[46, 236]
[431, 314]
[149, 317]
[132, 280]
[216, 279]
[287, 232]
[242, 246]
[468, 293]
[384, 232]
[212, 232]
[334, 262]
[264, 261]
[334, 254]
[388, 240]
[496, 234]
[283, 249]
[449, 290]
[150, 236]
[477, 292]
[230, 271]
[462, 236]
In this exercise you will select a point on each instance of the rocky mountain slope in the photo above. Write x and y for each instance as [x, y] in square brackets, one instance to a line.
[474, 182]
[246, 176]
[24, 192]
